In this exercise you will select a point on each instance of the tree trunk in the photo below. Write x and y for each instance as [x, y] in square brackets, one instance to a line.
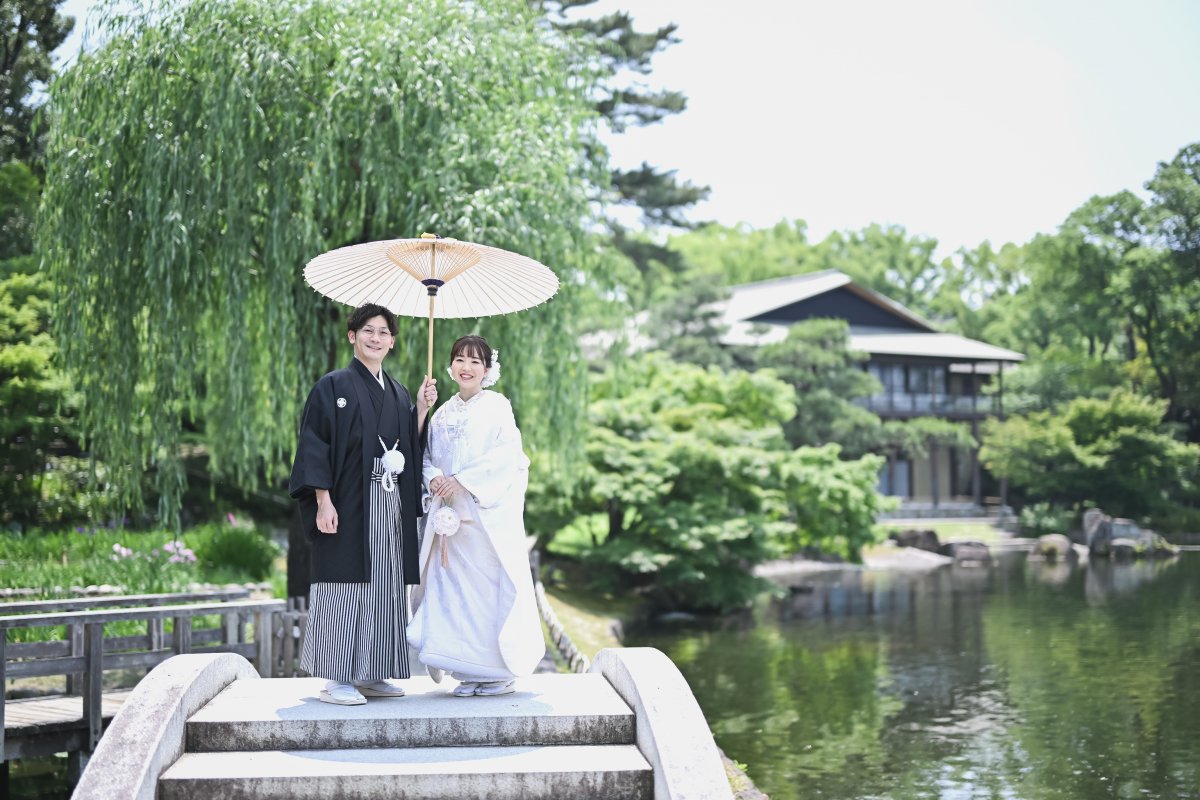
[616, 517]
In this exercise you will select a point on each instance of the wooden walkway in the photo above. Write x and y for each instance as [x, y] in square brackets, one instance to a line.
[43, 725]
[73, 724]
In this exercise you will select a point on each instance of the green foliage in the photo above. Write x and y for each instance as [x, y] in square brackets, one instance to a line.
[915, 437]
[691, 469]
[19, 190]
[740, 254]
[827, 375]
[38, 476]
[1108, 452]
[30, 30]
[55, 562]
[976, 291]
[234, 546]
[1039, 519]
[73, 490]
[247, 137]
[689, 328]
[624, 98]
[886, 259]
[1056, 375]
[832, 501]
[1113, 298]
[889, 260]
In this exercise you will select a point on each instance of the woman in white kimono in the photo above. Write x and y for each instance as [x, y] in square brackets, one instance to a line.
[474, 613]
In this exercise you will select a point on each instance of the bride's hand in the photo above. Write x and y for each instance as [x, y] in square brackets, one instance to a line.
[445, 487]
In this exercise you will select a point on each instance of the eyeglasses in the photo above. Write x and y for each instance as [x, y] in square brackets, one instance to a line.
[384, 333]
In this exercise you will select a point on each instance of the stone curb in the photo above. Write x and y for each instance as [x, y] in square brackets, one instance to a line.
[147, 735]
[576, 660]
[672, 733]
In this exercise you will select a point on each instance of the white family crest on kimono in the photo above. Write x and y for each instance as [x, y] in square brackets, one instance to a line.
[474, 613]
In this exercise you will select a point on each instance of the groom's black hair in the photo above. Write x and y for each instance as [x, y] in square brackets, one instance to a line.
[359, 316]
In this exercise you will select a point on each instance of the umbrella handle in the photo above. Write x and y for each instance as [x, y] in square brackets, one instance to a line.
[431, 285]
[429, 360]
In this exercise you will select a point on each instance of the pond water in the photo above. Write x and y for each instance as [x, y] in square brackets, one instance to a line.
[1022, 680]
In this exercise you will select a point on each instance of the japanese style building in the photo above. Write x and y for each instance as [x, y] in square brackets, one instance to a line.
[925, 373]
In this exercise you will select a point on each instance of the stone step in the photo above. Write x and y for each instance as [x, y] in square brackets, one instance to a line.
[285, 714]
[613, 772]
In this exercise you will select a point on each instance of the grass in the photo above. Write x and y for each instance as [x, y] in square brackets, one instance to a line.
[53, 563]
[947, 529]
[589, 617]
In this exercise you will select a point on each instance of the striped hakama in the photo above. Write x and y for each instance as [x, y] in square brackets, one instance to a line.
[356, 631]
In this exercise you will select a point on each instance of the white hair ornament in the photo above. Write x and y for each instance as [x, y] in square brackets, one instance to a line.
[493, 373]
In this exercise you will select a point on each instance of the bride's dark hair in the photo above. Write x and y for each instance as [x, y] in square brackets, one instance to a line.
[472, 347]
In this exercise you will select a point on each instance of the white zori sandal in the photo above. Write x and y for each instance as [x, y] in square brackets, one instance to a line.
[341, 694]
[380, 689]
[492, 688]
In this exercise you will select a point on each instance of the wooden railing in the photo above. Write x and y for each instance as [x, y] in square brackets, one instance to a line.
[121, 601]
[290, 626]
[86, 652]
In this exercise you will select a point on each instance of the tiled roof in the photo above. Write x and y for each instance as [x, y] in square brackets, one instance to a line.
[751, 300]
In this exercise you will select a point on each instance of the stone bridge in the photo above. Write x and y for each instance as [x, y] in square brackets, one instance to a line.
[207, 726]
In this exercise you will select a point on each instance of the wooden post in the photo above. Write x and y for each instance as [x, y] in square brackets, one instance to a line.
[93, 679]
[262, 637]
[155, 633]
[933, 473]
[288, 650]
[302, 629]
[75, 632]
[976, 476]
[183, 635]
[974, 391]
[1000, 389]
[231, 628]
[3, 688]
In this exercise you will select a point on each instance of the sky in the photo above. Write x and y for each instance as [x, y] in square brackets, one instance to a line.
[961, 120]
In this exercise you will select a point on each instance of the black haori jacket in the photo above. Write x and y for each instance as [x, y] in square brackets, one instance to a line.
[346, 414]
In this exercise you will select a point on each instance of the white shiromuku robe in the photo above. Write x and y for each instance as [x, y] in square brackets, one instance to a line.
[476, 617]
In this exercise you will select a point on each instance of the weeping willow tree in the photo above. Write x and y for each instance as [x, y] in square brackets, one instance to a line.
[207, 150]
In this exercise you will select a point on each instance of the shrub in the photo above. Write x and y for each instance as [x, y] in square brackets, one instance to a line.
[53, 562]
[233, 545]
[1040, 519]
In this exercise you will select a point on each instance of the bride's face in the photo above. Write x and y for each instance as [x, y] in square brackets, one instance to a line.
[468, 372]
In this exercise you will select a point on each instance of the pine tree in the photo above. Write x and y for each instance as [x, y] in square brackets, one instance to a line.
[30, 30]
[659, 195]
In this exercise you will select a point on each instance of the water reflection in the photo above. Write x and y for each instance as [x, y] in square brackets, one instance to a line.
[1023, 680]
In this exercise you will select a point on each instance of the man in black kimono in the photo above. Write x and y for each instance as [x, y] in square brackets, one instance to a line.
[357, 477]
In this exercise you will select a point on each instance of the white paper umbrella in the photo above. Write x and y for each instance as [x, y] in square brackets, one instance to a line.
[431, 276]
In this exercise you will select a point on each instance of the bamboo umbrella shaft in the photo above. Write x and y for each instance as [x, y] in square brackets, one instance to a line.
[432, 297]
[429, 361]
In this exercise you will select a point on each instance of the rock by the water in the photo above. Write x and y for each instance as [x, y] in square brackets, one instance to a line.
[1123, 549]
[1102, 534]
[921, 539]
[1054, 547]
[965, 552]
